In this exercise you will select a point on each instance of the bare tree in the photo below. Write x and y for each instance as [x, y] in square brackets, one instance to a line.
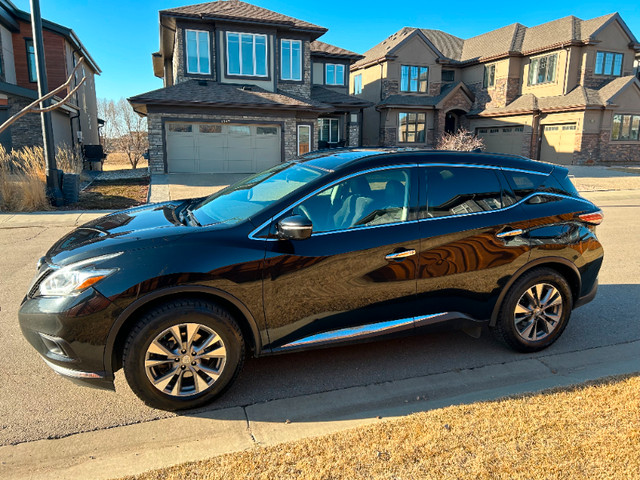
[463, 141]
[124, 130]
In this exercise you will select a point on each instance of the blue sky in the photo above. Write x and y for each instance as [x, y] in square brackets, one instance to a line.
[122, 34]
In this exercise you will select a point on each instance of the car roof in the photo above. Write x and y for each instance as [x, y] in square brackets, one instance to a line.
[342, 158]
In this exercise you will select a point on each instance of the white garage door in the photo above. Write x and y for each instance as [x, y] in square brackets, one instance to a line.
[221, 148]
[502, 139]
[558, 143]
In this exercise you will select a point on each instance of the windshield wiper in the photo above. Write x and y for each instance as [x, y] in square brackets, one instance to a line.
[192, 217]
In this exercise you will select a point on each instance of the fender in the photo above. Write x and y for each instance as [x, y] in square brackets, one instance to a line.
[538, 262]
[140, 302]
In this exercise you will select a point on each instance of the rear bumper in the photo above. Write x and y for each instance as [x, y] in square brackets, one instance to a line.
[588, 297]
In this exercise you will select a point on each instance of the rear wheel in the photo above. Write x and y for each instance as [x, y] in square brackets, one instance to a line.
[183, 354]
[535, 311]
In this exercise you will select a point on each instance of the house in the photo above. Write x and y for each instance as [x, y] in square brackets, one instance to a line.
[564, 91]
[74, 124]
[244, 89]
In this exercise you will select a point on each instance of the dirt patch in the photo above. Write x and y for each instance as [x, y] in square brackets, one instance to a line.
[115, 194]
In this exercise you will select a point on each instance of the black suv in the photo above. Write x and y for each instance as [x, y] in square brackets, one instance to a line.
[336, 247]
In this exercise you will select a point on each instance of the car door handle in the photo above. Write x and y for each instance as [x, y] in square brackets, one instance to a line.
[400, 255]
[510, 233]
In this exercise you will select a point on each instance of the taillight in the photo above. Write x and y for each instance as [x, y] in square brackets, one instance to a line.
[593, 218]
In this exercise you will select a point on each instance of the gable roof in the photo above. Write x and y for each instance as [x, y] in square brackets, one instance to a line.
[235, 10]
[337, 99]
[426, 101]
[511, 39]
[319, 48]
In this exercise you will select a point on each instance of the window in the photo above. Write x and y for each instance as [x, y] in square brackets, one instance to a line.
[625, 127]
[239, 130]
[180, 127]
[266, 130]
[543, 69]
[376, 198]
[357, 84]
[328, 130]
[304, 139]
[31, 61]
[608, 63]
[414, 79]
[198, 52]
[334, 74]
[489, 76]
[412, 127]
[246, 54]
[448, 75]
[291, 60]
[210, 128]
[459, 190]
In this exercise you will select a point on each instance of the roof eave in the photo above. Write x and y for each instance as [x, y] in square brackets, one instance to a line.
[253, 106]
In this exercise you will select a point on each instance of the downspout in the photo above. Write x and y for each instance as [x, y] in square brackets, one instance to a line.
[565, 90]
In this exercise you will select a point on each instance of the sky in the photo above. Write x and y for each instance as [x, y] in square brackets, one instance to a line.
[121, 35]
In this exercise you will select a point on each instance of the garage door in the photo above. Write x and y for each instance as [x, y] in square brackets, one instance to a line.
[221, 148]
[502, 139]
[558, 143]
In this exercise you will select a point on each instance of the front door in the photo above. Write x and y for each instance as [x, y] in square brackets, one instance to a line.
[358, 267]
[450, 123]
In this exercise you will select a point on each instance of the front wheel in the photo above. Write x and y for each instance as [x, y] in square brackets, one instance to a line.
[535, 311]
[183, 354]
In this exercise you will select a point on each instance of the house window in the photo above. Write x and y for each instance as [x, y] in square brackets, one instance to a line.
[412, 127]
[198, 59]
[291, 60]
[608, 63]
[328, 130]
[543, 69]
[448, 75]
[304, 139]
[31, 61]
[626, 127]
[489, 76]
[334, 74]
[357, 84]
[413, 79]
[246, 54]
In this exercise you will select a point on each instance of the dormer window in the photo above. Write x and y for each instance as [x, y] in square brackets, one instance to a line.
[291, 60]
[246, 54]
[609, 63]
[198, 59]
[334, 74]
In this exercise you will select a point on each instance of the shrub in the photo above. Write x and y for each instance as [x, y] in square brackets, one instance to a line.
[462, 141]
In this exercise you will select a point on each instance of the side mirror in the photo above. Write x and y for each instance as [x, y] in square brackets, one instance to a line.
[297, 227]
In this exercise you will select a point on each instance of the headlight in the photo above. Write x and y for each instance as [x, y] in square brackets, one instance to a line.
[74, 278]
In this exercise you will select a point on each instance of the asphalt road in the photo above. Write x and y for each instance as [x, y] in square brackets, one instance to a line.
[36, 404]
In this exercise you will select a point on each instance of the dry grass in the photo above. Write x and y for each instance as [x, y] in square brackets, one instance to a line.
[120, 161]
[461, 141]
[588, 432]
[113, 194]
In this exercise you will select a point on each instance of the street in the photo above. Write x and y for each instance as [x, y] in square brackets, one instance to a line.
[37, 404]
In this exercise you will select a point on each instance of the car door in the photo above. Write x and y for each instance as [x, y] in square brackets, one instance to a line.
[356, 271]
[473, 240]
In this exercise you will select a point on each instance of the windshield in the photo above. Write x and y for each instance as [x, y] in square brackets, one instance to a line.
[253, 194]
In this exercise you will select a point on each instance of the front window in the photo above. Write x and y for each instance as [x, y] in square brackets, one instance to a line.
[609, 63]
[489, 76]
[291, 60]
[198, 60]
[448, 75]
[543, 69]
[31, 61]
[357, 84]
[329, 130]
[414, 79]
[412, 127]
[246, 54]
[254, 194]
[626, 127]
[334, 74]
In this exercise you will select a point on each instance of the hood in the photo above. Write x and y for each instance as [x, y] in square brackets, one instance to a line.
[136, 228]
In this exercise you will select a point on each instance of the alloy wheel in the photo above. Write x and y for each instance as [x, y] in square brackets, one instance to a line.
[538, 312]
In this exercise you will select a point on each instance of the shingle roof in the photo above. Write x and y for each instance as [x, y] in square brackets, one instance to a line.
[197, 93]
[237, 10]
[421, 100]
[515, 38]
[327, 49]
[325, 95]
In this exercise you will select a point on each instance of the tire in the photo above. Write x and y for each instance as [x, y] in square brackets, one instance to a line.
[538, 322]
[153, 354]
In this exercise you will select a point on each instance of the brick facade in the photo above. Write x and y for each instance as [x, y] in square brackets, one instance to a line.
[592, 148]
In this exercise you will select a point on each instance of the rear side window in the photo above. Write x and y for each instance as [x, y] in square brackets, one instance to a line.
[524, 184]
[462, 190]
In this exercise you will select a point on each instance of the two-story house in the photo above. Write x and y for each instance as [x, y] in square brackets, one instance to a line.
[244, 89]
[564, 91]
[74, 124]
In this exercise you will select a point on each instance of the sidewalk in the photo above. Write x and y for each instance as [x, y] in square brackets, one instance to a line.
[57, 218]
[133, 449]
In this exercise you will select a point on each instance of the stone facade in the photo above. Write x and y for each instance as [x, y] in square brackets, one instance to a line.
[389, 87]
[599, 148]
[459, 101]
[353, 134]
[435, 88]
[27, 131]
[178, 56]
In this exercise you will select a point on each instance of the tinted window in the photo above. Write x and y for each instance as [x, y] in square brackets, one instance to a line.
[460, 190]
[524, 184]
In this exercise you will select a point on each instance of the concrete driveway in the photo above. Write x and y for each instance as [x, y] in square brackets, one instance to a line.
[176, 186]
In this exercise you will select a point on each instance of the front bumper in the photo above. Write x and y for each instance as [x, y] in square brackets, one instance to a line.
[70, 334]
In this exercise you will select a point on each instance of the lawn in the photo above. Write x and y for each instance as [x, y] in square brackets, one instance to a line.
[586, 432]
[114, 194]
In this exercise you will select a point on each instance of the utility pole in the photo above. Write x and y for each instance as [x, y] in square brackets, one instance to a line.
[53, 175]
